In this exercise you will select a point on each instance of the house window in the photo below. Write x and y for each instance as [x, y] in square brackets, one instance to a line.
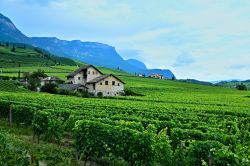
[100, 83]
[118, 84]
[113, 82]
[79, 78]
[93, 72]
[88, 72]
[106, 82]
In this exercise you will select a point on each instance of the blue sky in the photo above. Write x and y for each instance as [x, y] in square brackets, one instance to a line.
[202, 39]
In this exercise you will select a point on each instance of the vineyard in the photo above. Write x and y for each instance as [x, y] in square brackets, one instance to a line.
[11, 86]
[170, 123]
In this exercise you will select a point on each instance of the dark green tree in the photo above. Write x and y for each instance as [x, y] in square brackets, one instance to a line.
[241, 87]
[34, 79]
[13, 49]
[50, 88]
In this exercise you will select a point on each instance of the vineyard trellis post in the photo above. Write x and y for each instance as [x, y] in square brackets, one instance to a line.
[209, 159]
[180, 153]
[19, 72]
[10, 116]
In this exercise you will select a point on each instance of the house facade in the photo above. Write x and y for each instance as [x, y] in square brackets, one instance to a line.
[96, 82]
[84, 75]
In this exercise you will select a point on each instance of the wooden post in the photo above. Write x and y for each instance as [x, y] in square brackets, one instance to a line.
[38, 138]
[209, 160]
[19, 72]
[10, 116]
[33, 137]
[77, 153]
[180, 154]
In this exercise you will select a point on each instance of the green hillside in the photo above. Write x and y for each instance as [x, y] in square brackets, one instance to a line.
[12, 54]
[32, 59]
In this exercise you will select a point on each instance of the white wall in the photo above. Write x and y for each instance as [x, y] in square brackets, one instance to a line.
[76, 79]
[92, 74]
[109, 90]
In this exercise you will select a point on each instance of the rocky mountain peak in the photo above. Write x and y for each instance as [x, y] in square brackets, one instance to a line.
[4, 21]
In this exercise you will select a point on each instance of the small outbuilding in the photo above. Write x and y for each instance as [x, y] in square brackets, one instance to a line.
[158, 76]
[51, 80]
[73, 87]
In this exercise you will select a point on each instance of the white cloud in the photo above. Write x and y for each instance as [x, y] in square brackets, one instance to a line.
[147, 35]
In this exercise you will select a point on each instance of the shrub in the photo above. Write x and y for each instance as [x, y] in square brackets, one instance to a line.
[63, 92]
[129, 92]
[85, 94]
[50, 88]
[73, 93]
[40, 123]
[241, 87]
[100, 94]
[4, 77]
[13, 49]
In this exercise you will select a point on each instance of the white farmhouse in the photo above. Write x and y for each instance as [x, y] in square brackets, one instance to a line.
[158, 76]
[96, 82]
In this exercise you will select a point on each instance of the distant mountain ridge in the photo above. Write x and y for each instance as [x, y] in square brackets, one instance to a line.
[137, 64]
[90, 52]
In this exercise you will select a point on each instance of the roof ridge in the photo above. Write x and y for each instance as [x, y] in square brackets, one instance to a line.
[99, 78]
[83, 68]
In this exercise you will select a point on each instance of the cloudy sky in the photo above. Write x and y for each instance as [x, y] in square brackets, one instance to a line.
[202, 39]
